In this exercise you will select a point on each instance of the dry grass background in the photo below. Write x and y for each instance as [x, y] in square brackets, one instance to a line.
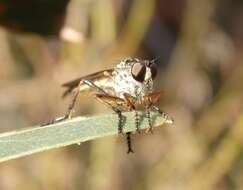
[199, 44]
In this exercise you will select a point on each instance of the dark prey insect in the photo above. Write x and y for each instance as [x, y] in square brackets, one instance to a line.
[124, 88]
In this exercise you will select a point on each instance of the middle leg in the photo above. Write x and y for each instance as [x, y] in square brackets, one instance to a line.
[118, 105]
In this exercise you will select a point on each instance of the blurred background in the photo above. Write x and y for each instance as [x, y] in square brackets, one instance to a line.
[199, 46]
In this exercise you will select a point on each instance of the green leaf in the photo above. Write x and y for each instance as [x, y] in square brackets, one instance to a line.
[28, 141]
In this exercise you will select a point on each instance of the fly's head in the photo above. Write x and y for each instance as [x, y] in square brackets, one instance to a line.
[135, 76]
[144, 72]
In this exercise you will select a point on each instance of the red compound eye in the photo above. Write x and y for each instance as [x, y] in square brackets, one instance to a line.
[138, 71]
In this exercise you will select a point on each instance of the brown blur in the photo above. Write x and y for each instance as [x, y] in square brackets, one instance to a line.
[199, 46]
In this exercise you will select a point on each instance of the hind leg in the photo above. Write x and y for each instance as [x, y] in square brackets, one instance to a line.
[69, 112]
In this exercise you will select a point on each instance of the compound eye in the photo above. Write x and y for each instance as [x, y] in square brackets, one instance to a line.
[138, 71]
[153, 68]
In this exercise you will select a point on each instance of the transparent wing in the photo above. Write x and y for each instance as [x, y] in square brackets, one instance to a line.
[99, 78]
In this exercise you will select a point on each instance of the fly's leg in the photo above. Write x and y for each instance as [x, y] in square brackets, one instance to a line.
[137, 122]
[129, 101]
[130, 104]
[151, 100]
[70, 109]
[129, 143]
[115, 103]
[68, 115]
[148, 116]
[69, 112]
[165, 115]
[120, 120]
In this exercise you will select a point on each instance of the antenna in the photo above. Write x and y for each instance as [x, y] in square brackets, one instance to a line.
[155, 59]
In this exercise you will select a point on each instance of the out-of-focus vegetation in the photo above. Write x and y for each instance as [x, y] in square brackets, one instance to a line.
[199, 44]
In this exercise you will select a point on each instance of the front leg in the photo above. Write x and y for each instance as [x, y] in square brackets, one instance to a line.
[165, 115]
[148, 116]
[152, 100]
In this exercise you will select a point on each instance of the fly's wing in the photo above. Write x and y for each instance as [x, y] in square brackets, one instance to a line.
[97, 78]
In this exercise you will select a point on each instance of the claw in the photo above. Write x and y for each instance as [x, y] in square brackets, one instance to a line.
[130, 150]
[57, 120]
[168, 118]
[138, 131]
[150, 130]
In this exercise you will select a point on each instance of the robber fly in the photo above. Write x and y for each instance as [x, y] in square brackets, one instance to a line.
[123, 88]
